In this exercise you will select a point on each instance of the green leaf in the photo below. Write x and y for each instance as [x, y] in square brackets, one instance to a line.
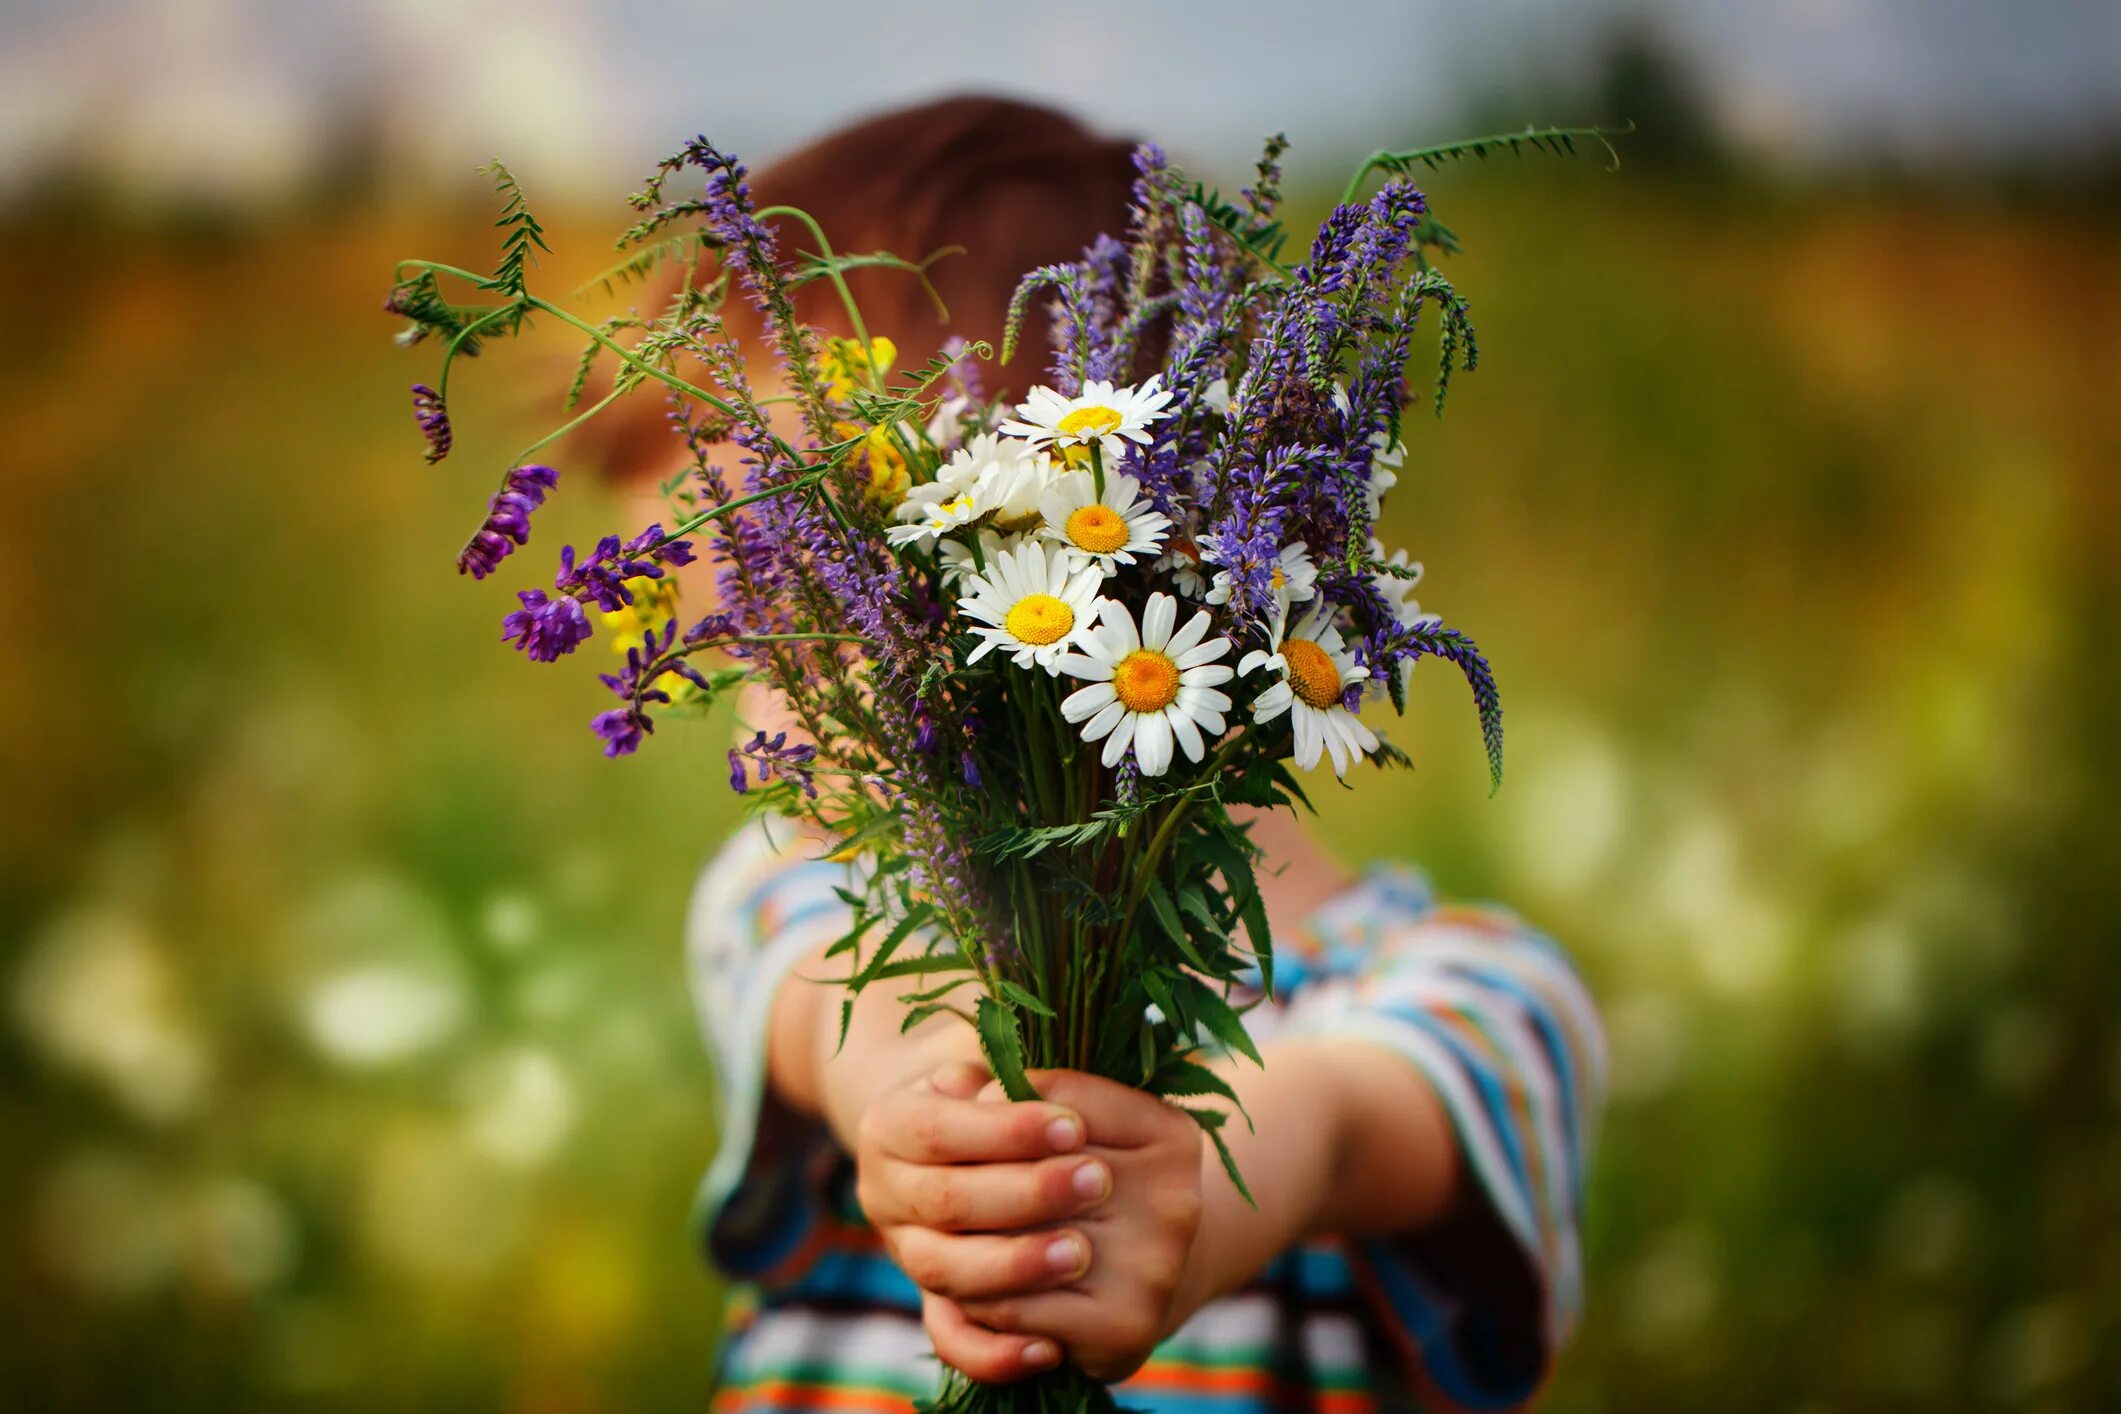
[1004, 1046]
[921, 1013]
[879, 827]
[1231, 853]
[916, 916]
[1024, 999]
[1211, 1123]
[1167, 918]
[1221, 1019]
[1194, 904]
[1182, 1075]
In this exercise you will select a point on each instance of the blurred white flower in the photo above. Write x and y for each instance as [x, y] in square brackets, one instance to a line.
[519, 1106]
[374, 1015]
[96, 994]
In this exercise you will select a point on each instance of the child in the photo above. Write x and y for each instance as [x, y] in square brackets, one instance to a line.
[1421, 1123]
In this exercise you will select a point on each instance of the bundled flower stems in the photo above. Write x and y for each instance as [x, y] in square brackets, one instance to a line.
[1026, 659]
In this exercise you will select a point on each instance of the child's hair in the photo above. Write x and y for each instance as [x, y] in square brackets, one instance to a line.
[1015, 185]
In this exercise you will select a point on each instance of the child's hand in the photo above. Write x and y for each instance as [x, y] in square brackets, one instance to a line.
[969, 1197]
[1110, 1317]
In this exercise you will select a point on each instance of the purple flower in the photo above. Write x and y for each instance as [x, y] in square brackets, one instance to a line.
[621, 728]
[770, 755]
[507, 523]
[433, 417]
[545, 627]
[548, 626]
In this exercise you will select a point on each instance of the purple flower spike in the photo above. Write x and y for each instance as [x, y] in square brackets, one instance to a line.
[772, 755]
[433, 417]
[545, 627]
[507, 523]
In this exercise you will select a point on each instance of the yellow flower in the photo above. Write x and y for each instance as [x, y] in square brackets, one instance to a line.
[845, 365]
[885, 475]
[655, 604]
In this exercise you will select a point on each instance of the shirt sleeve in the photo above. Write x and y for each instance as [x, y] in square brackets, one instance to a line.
[759, 908]
[1496, 1019]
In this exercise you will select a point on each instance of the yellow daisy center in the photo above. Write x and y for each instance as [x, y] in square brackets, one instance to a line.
[1312, 675]
[947, 512]
[1088, 422]
[1278, 580]
[1039, 619]
[1145, 681]
[1098, 529]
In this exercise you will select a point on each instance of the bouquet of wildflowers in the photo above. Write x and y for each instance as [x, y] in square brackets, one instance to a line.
[1028, 657]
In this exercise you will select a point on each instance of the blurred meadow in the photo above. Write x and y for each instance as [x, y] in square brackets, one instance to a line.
[345, 1037]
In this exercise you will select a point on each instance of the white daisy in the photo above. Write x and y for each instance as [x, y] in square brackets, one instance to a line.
[1151, 688]
[1101, 530]
[986, 476]
[1399, 594]
[1316, 669]
[1398, 590]
[1293, 580]
[1101, 415]
[1030, 606]
[1387, 457]
[1184, 562]
[956, 559]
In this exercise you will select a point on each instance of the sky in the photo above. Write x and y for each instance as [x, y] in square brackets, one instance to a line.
[241, 98]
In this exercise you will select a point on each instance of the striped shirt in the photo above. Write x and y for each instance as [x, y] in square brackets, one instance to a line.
[1490, 1012]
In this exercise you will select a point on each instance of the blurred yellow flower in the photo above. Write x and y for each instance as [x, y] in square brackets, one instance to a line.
[882, 460]
[655, 604]
[844, 363]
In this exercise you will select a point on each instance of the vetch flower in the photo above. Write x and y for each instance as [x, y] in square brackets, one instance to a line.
[1316, 672]
[1150, 688]
[1102, 415]
[1030, 605]
[545, 627]
[507, 522]
[1101, 530]
[1293, 580]
[433, 417]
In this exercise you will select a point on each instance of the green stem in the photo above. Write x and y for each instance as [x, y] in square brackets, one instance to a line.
[839, 282]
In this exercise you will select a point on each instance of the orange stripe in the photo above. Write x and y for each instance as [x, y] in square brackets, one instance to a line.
[793, 1394]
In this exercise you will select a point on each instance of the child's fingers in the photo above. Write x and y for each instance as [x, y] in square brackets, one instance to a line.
[983, 1197]
[960, 1080]
[927, 1127]
[1105, 1332]
[991, 1357]
[971, 1268]
[1119, 1116]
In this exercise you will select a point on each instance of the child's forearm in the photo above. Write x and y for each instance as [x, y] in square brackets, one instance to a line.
[1349, 1139]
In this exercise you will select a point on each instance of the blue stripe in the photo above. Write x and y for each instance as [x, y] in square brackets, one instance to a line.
[853, 1276]
[1555, 1046]
[1494, 1097]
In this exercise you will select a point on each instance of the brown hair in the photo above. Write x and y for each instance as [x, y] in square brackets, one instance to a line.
[1014, 184]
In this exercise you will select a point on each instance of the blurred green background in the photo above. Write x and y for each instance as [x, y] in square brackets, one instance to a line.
[343, 1026]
